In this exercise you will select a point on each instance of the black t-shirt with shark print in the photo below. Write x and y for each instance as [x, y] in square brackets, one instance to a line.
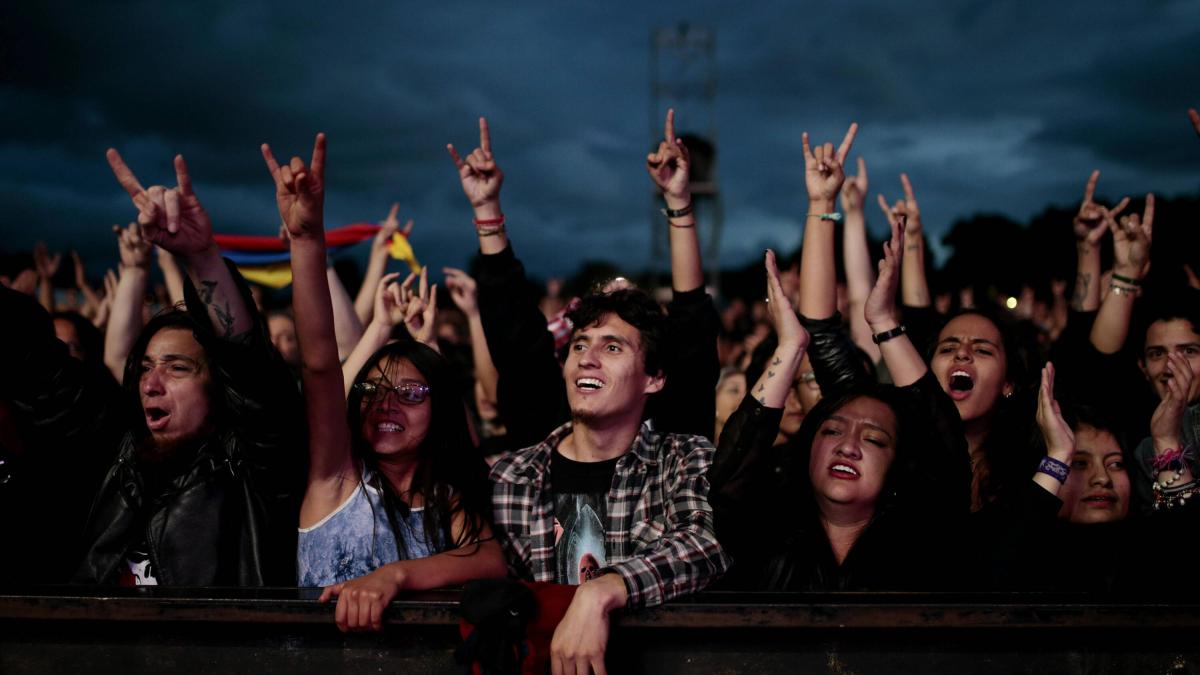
[580, 516]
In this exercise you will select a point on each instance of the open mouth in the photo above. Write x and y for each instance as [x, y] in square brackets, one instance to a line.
[390, 427]
[589, 384]
[156, 418]
[960, 384]
[1101, 501]
[844, 471]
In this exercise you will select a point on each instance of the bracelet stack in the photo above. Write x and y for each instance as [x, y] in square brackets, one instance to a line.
[679, 213]
[1123, 285]
[489, 227]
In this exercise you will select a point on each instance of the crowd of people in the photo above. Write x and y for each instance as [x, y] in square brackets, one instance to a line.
[847, 432]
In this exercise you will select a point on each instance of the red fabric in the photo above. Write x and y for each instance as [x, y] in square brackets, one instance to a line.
[340, 236]
[552, 603]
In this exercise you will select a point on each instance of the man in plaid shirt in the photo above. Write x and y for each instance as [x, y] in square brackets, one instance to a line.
[606, 501]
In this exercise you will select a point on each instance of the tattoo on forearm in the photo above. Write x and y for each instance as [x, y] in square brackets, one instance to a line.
[762, 400]
[777, 361]
[208, 292]
[770, 374]
[911, 247]
[762, 388]
[1082, 281]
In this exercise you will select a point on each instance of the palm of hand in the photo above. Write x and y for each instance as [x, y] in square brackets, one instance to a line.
[824, 182]
[302, 210]
[481, 184]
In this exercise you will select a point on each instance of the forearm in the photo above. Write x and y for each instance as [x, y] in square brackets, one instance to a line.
[485, 368]
[771, 389]
[172, 276]
[497, 238]
[1112, 322]
[346, 327]
[914, 289]
[1086, 296]
[364, 303]
[903, 360]
[687, 273]
[125, 319]
[482, 560]
[374, 337]
[859, 279]
[227, 310]
[45, 293]
[818, 278]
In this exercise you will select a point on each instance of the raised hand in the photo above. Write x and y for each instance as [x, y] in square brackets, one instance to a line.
[47, 265]
[1060, 439]
[880, 308]
[420, 309]
[1092, 220]
[1132, 236]
[462, 290]
[300, 191]
[172, 218]
[481, 177]
[668, 166]
[779, 309]
[823, 168]
[854, 191]
[388, 228]
[389, 299]
[906, 208]
[134, 250]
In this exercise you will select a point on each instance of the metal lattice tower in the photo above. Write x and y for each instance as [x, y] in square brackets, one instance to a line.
[683, 76]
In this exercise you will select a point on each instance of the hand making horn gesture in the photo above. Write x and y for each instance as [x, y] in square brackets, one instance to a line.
[1093, 219]
[669, 165]
[300, 192]
[481, 177]
[823, 168]
[906, 208]
[172, 218]
[854, 191]
[1132, 236]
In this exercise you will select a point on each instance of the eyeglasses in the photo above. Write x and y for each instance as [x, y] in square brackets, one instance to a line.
[410, 393]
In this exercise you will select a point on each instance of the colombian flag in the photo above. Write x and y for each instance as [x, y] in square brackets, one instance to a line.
[266, 260]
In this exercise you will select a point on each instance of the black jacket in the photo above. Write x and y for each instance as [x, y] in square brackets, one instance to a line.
[223, 514]
[767, 519]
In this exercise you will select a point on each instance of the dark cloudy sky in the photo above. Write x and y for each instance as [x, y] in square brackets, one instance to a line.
[999, 106]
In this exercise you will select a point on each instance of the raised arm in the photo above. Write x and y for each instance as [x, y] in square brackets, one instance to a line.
[823, 177]
[462, 293]
[91, 301]
[364, 303]
[1131, 261]
[914, 289]
[481, 180]
[903, 360]
[300, 196]
[172, 275]
[771, 389]
[1090, 226]
[857, 256]
[346, 326]
[47, 267]
[1059, 438]
[668, 168]
[125, 312]
[174, 219]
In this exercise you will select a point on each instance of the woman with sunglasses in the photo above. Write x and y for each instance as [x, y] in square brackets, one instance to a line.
[395, 499]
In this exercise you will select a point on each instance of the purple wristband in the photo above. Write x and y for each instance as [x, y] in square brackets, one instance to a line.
[1054, 468]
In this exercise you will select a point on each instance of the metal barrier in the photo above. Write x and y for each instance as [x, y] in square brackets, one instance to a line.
[159, 630]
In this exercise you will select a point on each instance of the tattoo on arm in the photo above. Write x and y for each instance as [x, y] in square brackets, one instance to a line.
[912, 247]
[1082, 281]
[770, 374]
[207, 292]
[762, 400]
[762, 388]
[777, 361]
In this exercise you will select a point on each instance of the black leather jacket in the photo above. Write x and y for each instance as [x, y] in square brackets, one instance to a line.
[225, 515]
